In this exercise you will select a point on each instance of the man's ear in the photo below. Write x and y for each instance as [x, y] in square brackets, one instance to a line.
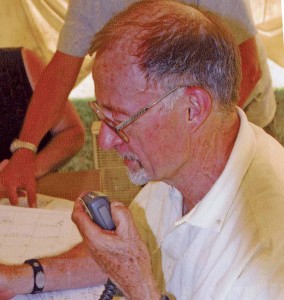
[199, 106]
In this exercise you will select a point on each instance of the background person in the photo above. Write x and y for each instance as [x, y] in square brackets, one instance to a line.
[211, 213]
[20, 69]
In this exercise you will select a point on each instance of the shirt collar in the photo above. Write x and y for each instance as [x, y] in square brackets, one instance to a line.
[211, 211]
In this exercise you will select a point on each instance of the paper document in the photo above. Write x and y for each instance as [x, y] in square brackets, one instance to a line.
[36, 232]
[79, 294]
[26, 233]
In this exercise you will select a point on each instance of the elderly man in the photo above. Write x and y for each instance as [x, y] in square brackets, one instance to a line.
[209, 222]
[212, 215]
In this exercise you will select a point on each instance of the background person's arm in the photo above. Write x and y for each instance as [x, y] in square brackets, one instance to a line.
[67, 139]
[51, 92]
[251, 70]
[67, 134]
[46, 106]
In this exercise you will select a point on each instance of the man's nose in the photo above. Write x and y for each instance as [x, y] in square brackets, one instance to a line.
[108, 138]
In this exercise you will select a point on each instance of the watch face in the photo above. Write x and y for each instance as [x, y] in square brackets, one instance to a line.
[39, 280]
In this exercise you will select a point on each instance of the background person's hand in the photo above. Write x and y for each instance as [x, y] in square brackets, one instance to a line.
[120, 253]
[18, 175]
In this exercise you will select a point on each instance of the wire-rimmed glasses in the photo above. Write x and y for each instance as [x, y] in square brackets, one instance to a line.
[118, 128]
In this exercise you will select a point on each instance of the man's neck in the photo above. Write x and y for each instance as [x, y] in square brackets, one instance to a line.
[207, 162]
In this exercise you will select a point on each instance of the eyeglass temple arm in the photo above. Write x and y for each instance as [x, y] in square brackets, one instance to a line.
[142, 111]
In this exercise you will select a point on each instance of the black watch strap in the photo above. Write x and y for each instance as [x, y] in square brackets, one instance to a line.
[38, 275]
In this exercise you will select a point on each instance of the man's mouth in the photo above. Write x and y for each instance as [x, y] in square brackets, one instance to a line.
[131, 162]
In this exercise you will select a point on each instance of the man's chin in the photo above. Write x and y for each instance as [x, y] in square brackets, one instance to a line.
[139, 177]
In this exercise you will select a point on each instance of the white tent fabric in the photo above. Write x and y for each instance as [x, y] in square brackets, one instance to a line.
[36, 24]
[269, 22]
[45, 19]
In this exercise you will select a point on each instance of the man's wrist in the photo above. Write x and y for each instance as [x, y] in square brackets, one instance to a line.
[20, 279]
[18, 144]
[149, 290]
[38, 275]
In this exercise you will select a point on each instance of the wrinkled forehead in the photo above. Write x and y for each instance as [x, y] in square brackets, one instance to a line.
[115, 69]
[119, 82]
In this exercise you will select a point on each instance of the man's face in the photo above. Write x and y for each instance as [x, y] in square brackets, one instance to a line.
[155, 147]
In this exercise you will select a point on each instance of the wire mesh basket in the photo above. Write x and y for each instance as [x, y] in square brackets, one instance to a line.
[114, 180]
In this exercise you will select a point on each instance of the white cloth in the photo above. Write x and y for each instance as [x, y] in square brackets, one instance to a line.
[260, 106]
[85, 18]
[230, 246]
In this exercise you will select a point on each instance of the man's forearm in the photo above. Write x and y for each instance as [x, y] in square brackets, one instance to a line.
[15, 280]
[72, 269]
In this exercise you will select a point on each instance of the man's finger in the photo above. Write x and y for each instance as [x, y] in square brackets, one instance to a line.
[122, 218]
[82, 220]
[31, 194]
[13, 196]
[95, 237]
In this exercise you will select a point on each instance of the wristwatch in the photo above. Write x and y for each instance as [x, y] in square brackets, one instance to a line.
[17, 144]
[39, 278]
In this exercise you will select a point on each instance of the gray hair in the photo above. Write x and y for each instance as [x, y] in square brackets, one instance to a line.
[176, 45]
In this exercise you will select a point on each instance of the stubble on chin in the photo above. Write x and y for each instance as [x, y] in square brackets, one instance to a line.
[139, 176]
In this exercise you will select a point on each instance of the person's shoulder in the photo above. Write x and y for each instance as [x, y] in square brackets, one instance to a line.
[264, 185]
[272, 146]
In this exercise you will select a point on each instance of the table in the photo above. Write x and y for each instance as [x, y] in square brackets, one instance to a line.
[69, 185]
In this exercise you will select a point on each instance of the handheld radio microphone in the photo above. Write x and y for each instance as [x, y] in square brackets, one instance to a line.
[97, 207]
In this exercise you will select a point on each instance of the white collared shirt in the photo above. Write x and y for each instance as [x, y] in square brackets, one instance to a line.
[231, 245]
